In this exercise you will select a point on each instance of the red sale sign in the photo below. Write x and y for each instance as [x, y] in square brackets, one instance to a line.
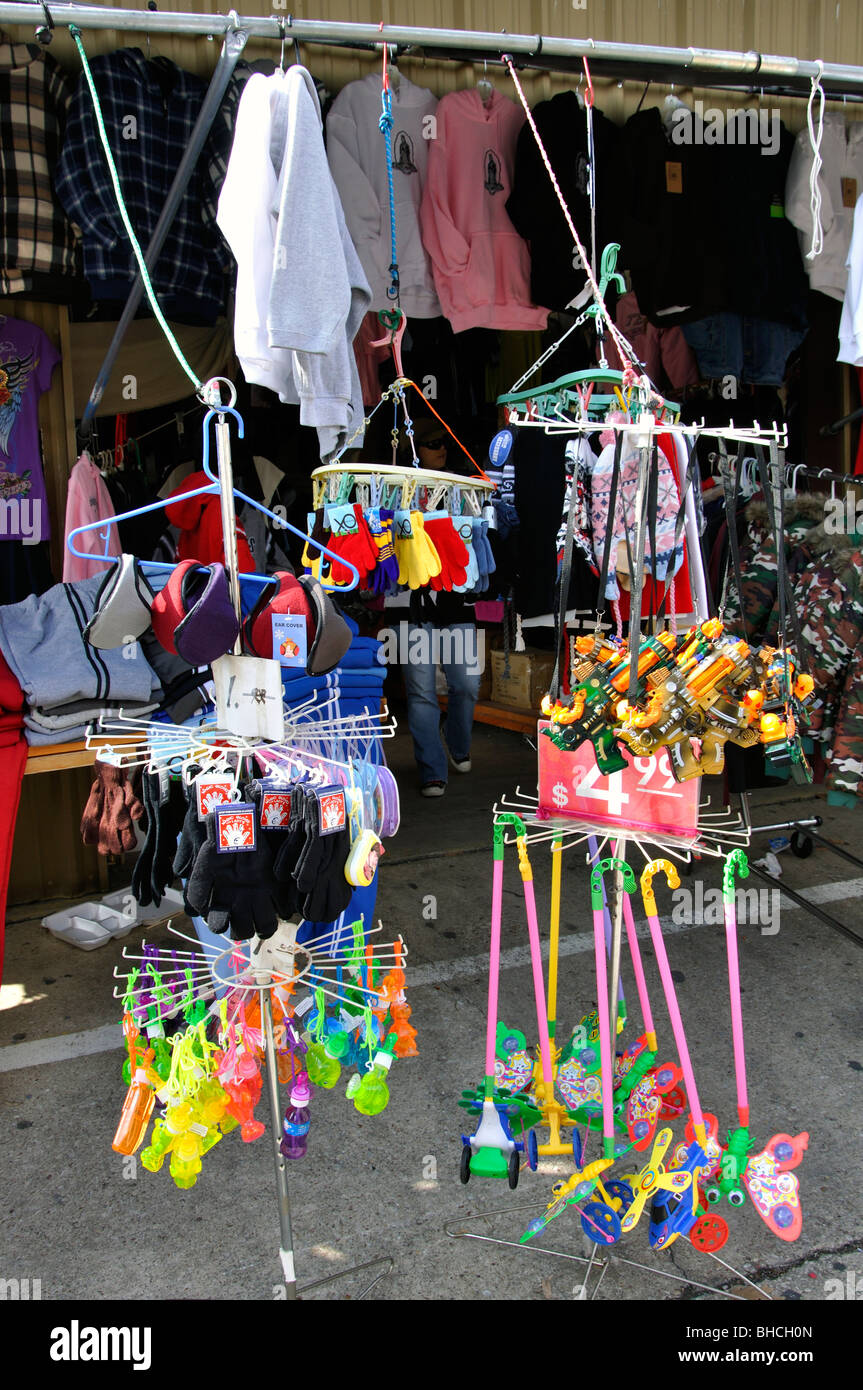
[644, 797]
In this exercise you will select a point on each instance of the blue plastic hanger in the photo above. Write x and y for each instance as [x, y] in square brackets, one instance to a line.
[212, 489]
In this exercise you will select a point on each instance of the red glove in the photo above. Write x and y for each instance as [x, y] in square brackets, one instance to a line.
[352, 540]
[453, 552]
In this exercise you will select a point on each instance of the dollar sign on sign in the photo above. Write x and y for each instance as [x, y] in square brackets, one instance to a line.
[560, 795]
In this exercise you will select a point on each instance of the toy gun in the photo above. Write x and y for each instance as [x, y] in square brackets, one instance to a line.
[602, 679]
[783, 745]
[681, 708]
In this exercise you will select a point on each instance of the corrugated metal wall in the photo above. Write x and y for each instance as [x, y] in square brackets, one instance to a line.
[828, 29]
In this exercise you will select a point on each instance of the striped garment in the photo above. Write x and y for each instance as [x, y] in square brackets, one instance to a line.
[37, 243]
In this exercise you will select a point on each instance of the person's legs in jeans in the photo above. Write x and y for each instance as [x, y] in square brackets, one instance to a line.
[458, 651]
[423, 707]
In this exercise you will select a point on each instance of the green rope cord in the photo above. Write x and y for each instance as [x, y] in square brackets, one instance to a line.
[139, 255]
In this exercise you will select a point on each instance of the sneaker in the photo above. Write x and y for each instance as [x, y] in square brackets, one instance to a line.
[433, 789]
[460, 764]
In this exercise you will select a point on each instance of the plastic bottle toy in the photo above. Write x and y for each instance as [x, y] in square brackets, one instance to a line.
[371, 1093]
[141, 1095]
[295, 1126]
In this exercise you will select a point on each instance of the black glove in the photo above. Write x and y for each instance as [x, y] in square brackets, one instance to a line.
[192, 836]
[320, 872]
[291, 847]
[284, 889]
[236, 890]
[154, 870]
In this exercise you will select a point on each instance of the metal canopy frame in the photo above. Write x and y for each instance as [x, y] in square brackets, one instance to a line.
[701, 67]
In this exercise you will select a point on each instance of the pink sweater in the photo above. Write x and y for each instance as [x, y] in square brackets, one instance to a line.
[88, 499]
[481, 265]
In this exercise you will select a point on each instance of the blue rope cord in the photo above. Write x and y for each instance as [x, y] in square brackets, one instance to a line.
[386, 126]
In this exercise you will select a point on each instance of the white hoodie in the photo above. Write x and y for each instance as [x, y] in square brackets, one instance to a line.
[357, 153]
[301, 293]
[842, 155]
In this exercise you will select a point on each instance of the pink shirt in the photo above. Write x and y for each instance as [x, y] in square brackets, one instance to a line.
[88, 500]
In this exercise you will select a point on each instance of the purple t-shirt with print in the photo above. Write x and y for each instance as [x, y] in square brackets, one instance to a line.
[27, 359]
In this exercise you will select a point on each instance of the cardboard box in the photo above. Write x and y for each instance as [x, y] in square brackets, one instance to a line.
[528, 679]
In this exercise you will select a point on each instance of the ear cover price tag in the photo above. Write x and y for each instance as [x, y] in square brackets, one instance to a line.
[236, 829]
[332, 810]
[213, 789]
[290, 639]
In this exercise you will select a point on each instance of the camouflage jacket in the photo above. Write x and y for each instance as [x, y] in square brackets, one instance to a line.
[826, 573]
[826, 576]
[758, 564]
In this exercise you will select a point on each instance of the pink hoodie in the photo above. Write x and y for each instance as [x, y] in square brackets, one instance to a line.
[480, 263]
[88, 499]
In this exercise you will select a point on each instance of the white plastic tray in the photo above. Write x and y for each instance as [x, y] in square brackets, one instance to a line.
[88, 925]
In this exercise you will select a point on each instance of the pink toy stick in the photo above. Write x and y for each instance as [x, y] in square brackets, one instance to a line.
[638, 968]
[604, 1030]
[494, 959]
[671, 874]
[536, 962]
[736, 860]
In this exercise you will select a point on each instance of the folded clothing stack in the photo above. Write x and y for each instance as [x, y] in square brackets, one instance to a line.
[67, 682]
[356, 685]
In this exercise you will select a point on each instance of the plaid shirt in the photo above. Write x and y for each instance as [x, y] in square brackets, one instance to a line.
[37, 244]
[150, 109]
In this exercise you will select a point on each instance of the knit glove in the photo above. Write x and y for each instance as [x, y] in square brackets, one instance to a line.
[236, 889]
[110, 810]
[320, 871]
[154, 869]
[386, 575]
[464, 527]
[451, 549]
[313, 559]
[482, 550]
[352, 540]
[288, 855]
[192, 835]
[418, 560]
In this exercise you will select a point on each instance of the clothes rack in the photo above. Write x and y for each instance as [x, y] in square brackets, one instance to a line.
[727, 68]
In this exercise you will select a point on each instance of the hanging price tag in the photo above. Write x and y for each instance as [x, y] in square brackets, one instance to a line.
[275, 806]
[235, 828]
[249, 699]
[849, 193]
[290, 640]
[673, 177]
[213, 789]
[643, 797]
[333, 813]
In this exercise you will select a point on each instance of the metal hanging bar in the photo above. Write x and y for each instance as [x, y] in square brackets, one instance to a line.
[534, 50]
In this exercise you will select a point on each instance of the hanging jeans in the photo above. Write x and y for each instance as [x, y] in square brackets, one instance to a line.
[454, 648]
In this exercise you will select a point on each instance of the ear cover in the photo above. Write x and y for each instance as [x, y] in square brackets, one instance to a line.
[193, 616]
[287, 597]
[332, 636]
[123, 603]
